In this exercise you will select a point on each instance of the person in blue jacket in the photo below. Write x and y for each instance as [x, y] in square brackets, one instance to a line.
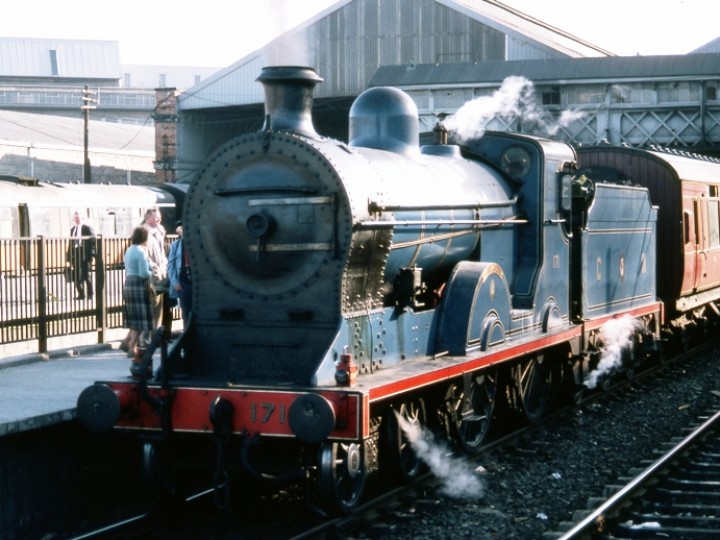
[179, 275]
[137, 292]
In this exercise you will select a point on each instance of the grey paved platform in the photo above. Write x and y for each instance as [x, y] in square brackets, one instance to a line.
[42, 389]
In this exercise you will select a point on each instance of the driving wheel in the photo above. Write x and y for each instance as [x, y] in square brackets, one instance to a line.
[469, 408]
[341, 476]
[399, 458]
[164, 491]
[537, 380]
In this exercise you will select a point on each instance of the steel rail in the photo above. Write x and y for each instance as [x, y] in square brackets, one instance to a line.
[594, 522]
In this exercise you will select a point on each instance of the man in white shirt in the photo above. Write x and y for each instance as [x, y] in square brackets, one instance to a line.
[158, 262]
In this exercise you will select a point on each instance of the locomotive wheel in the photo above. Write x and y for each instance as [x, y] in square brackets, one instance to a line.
[470, 409]
[536, 381]
[165, 495]
[399, 458]
[341, 476]
[153, 467]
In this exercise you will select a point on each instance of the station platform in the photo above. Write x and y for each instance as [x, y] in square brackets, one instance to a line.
[38, 390]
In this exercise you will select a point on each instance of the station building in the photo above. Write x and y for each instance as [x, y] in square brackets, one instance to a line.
[43, 83]
[444, 53]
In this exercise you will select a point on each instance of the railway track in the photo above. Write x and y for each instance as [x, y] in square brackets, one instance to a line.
[387, 512]
[546, 453]
[676, 497]
[381, 502]
[379, 517]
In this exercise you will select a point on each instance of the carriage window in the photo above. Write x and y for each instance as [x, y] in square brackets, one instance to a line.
[699, 234]
[42, 220]
[6, 222]
[111, 224]
[714, 223]
[687, 231]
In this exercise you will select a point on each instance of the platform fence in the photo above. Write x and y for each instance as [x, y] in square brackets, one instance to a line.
[39, 299]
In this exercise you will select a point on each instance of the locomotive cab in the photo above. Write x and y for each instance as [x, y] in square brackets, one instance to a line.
[539, 169]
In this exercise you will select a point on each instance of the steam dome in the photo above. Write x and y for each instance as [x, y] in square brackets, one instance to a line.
[384, 118]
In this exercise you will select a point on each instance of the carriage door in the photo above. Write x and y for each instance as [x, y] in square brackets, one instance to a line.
[690, 247]
[25, 245]
[712, 269]
[700, 243]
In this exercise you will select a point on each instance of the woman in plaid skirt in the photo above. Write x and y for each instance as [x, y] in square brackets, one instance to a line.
[137, 292]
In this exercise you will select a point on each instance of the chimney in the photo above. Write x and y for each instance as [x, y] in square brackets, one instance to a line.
[289, 97]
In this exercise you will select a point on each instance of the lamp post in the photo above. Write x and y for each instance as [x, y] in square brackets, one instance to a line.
[89, 99]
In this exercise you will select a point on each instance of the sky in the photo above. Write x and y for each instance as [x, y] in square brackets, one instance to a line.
[217, 33]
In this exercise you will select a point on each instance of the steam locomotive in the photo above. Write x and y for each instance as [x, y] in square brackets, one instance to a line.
[342, 290]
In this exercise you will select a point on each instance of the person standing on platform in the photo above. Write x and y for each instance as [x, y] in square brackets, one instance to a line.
[81, 252]
[162, 314]
[179, 275]
[137, 292]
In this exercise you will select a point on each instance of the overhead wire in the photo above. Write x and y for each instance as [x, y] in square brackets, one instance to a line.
[41, 132]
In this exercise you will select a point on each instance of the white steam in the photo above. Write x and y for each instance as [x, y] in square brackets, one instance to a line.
[619, 93]
[616, 335]
[514, 101]
[459, 481]
[291, 48]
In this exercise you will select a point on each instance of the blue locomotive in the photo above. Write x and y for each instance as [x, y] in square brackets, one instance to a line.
[342, 288]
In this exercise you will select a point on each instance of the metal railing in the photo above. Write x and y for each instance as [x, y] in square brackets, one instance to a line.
[38, 298]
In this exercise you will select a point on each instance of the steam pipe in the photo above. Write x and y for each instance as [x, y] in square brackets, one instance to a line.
[438, 222]
[375, 206]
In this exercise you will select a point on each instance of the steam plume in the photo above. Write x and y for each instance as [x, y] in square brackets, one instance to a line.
[616, 335]
[459, 481]
[291, 47]
[514, 101]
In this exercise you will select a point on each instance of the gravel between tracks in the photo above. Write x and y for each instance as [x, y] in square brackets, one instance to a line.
[533, 486]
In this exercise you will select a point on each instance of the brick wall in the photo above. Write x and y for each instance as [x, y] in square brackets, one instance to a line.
[165, 118]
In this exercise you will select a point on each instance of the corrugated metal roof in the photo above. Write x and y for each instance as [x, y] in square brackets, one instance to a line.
[519, 25]
[349, 40]
[236, 85]
[590, 69]
[33, 57]
[710, 47]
